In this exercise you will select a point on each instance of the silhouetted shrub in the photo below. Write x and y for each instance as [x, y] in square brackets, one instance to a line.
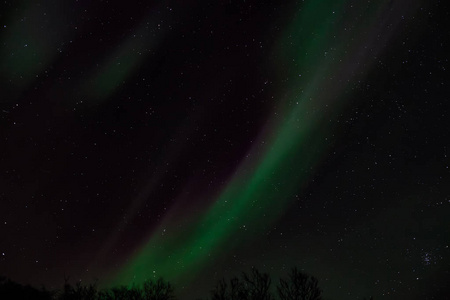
[13, 290]
[299, 286]
[121, 293]
[158, 290]
[253, 286]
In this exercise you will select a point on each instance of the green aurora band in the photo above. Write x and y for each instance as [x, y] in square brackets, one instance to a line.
[120, 64]
[328, 51]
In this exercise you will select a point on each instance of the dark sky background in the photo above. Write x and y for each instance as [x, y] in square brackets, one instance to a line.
[125, 127]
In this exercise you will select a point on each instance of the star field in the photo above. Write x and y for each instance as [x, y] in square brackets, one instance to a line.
[194, 140]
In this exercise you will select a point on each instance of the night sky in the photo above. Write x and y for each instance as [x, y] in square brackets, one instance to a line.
[197, 139]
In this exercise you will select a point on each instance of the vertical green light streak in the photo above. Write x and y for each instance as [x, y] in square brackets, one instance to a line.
[263, 187]
[120, 64]
[27, 49]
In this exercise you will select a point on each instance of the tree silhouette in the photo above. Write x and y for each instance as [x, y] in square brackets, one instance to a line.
[253, 286]
[299, 286]
[158, 290]
[150, 290]
[257, 284]
[121, 293]
[79, 291]
[221, 292]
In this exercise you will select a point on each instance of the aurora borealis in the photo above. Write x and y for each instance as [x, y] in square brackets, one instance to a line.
[195, 140]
